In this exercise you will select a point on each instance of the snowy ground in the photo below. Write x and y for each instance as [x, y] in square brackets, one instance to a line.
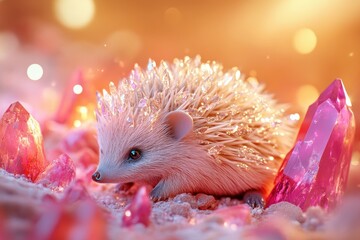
[28, 210]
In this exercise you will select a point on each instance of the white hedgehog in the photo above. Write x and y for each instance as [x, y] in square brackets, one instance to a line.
[190, 127]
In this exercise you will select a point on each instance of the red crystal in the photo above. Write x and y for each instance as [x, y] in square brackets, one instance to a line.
[21, 143]
[315, 171]
[69, 98]
[58, 174]
[139, 210]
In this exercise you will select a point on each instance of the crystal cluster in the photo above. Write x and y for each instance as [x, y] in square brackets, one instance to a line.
[80, 220]
[228, 111]
[21, 143]
[315, 171]
[58, 174]
[21, 151]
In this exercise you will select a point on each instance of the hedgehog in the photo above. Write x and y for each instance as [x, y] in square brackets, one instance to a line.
[190, 127]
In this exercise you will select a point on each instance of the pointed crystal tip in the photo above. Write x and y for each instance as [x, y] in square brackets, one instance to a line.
[337, 94]
[21, 143]
[315, 171]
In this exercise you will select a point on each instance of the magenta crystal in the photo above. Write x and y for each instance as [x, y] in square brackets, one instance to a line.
[315, 171]
[21, 143]
[58, 174]
[139, 210]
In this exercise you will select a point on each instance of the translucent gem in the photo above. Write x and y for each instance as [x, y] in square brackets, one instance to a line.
[201, 130]
[206, 86]
[129, 119]
[315, 171]
[234, 130]
[139, 210]
[113, 90]
[166, 79]
[142, 103]
[151, 65]
[58, 174]
[21, 143]
[215, 150]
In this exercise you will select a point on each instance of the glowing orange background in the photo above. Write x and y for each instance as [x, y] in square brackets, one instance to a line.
[256, 36]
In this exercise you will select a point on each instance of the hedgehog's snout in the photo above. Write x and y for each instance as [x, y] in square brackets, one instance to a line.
[96, 176]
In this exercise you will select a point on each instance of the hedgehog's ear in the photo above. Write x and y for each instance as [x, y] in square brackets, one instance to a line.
[180, 123]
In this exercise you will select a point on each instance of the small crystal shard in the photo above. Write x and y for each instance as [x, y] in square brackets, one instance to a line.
[58, 174]
[315, 171]
[139, 210]
[21, 143]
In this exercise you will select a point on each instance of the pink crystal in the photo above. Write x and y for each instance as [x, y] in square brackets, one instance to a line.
[315, 171]
[82, 220]
[21, 143]
[139, 210]
[58, 174]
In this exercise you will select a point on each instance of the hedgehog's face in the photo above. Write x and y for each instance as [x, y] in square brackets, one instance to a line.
[140, 153]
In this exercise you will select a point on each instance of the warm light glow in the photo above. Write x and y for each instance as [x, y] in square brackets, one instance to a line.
[83, 112]
[125, 43]
[294, 117]
[35, 72]
[253, 81]
[304, 41]
[127, 213]
[77, 123]
[74, 13]
[50, 98]
[172, 16]
[355, 160]
[306, 95]
[77, 89]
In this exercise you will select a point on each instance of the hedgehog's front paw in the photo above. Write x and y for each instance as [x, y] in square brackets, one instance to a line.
[157, 193]
[254, 199]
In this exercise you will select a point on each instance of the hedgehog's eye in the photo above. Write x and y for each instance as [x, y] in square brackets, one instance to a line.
[134, 154]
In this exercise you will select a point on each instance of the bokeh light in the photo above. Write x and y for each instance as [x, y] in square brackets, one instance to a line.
[77, 123]
[83, 110]
[306, 95]
[294, 117]
[77, 89]
[305, 41]
[74, 14]
[35, 72]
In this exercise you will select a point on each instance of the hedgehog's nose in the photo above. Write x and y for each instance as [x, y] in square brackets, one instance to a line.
[96, 176]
